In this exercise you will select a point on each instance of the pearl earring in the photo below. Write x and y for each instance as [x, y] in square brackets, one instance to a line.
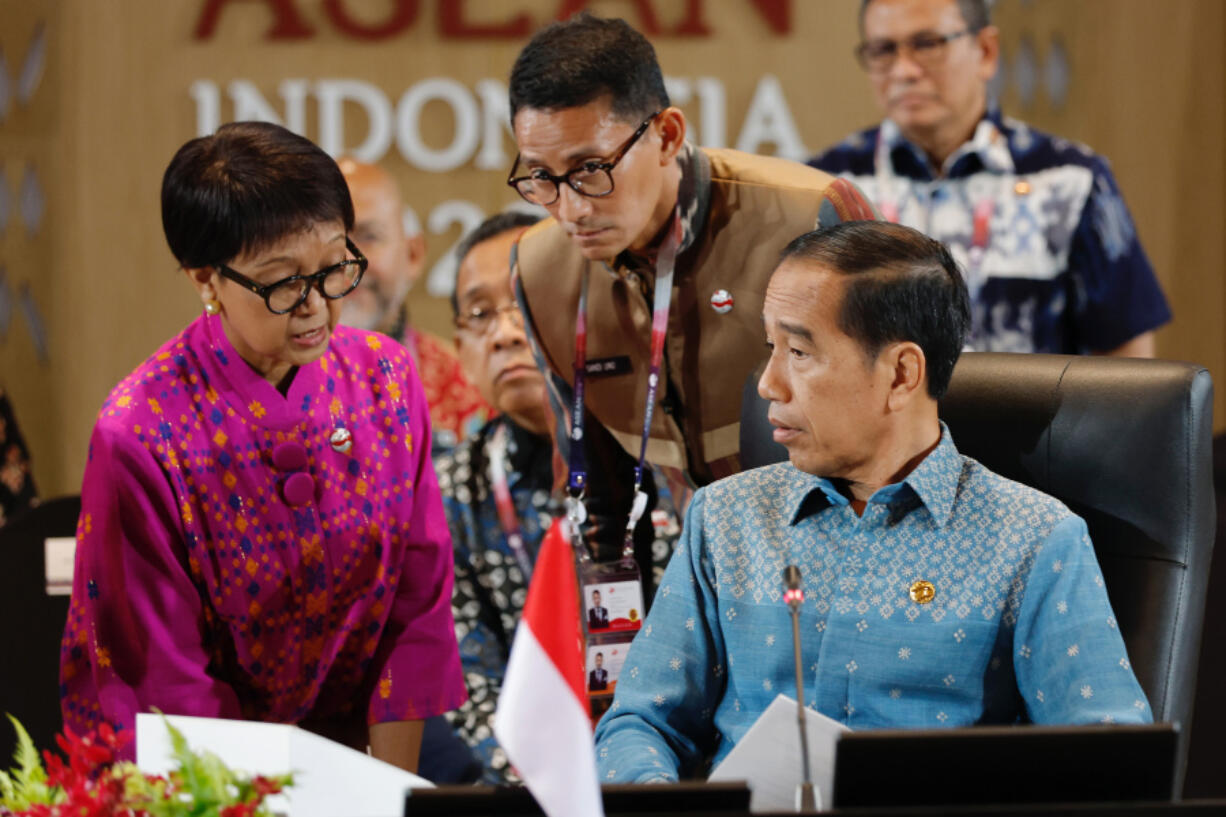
[212, 306]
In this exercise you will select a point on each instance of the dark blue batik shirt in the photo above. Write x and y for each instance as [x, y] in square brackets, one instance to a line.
[1056, 266]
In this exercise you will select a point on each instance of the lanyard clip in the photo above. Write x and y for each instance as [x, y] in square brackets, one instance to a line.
[636, 513]
[576, 515]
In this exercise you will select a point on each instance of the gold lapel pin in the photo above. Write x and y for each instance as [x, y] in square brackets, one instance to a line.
[922, 592]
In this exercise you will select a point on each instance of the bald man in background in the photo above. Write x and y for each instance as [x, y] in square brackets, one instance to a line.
[397, 259]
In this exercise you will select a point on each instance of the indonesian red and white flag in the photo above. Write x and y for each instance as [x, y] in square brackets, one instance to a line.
[542, 718]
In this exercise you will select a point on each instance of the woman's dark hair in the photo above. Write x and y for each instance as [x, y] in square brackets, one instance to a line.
[572, 63]
[245, 188]
[902, 286]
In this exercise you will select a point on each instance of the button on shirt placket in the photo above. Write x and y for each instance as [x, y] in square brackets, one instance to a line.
[836, 664]
[298, 491]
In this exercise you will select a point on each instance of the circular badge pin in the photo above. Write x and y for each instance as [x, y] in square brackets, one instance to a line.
[922, 592]
[341, 440]
[721, 301]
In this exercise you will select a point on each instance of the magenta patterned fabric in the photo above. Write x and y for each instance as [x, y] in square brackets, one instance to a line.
[233, 563]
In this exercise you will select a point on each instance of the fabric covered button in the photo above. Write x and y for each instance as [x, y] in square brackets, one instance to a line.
[289, 456]
[299, 489]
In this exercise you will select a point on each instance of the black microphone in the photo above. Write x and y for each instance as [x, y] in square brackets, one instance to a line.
[795, 597]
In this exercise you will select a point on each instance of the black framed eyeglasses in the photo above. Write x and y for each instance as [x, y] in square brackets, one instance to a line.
[593, 179]
[479, 319]
[288, 294]
[926, 48]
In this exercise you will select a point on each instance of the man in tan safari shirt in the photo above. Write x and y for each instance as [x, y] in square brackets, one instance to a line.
[603, 151]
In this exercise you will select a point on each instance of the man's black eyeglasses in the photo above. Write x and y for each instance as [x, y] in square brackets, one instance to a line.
[288, 294]
[926, 48]
[592, 178]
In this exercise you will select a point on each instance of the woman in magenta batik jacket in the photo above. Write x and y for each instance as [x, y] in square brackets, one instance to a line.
[261, 533]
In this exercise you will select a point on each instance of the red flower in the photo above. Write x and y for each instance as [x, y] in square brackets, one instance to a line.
[57, 773]
[86, 782]
[85, 754]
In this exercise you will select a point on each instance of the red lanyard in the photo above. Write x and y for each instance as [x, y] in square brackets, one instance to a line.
[508, 519]
[662, 301]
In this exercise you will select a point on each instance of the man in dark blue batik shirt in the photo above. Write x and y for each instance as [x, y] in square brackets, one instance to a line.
[1052, 258]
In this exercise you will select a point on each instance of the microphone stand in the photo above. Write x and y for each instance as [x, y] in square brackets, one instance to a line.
[795, 597]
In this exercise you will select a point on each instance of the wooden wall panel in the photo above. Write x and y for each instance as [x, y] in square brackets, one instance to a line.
[1147, 92]
[31, 258]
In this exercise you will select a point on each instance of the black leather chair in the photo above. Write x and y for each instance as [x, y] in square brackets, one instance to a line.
[1126, 444]
[31, 623]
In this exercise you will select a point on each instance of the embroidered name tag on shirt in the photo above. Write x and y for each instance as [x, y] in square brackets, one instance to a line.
[609, 366]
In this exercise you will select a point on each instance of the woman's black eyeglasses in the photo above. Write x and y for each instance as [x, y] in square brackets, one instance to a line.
[288, 294]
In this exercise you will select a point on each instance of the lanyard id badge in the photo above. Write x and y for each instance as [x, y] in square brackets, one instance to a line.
[577, 466]
[613, 592]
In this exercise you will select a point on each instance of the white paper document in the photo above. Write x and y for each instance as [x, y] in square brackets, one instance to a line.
[329, 779]
[768, 757]
[59, 552]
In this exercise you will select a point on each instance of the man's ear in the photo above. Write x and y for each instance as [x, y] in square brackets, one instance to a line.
[671, 126]
[987, 39]
[415, 249]
[909, 372]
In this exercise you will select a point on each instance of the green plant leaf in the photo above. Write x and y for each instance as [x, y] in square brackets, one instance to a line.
[29, 765]
[26, 784]
[7, 793]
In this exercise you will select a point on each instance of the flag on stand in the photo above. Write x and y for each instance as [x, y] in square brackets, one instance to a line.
[542, 718]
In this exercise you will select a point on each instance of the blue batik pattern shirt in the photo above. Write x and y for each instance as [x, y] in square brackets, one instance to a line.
[1058, 266]
[1019, 627]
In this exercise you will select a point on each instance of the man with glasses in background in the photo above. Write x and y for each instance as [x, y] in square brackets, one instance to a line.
[497, 485]
[646, 229]
[1052, 258]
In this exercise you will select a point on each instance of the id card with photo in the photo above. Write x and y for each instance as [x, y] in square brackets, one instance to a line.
[604, 665]
[612, 600]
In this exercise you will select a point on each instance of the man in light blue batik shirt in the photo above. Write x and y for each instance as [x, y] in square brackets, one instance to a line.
[937, 593]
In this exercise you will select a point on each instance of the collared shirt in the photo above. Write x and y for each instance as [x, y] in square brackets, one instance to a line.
[1018, 627]
[1037, 223]
[488, 599]
[231, 562]
[693, 201]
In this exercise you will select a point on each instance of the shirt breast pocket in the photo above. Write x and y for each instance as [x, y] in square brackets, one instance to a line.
[923, 673]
